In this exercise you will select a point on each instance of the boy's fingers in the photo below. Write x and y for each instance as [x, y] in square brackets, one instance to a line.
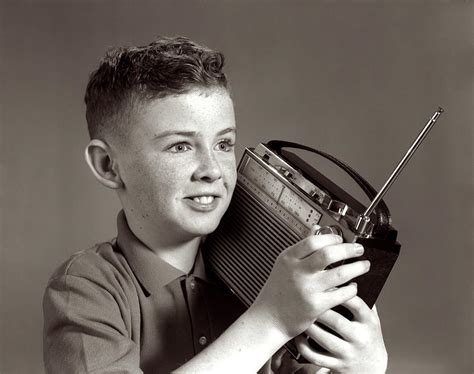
[317, 358]
[336, 322]
[337, 296]
[344, 273]
[321, 259]
[325, 339]
[311, 244]
[358, 308]
[277, 359]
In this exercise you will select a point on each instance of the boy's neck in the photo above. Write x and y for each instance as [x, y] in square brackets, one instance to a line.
[179, 253]
[182, 257]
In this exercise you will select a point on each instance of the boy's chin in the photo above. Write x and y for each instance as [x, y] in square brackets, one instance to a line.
[204, 229]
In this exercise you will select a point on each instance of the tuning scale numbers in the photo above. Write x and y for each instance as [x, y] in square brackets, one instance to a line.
[299, 208]
[273, 193]
[263, 179]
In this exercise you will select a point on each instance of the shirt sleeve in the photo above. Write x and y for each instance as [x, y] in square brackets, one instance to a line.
[84, 329]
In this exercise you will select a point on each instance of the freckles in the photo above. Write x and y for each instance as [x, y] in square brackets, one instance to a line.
[230, 169]
[175, 174]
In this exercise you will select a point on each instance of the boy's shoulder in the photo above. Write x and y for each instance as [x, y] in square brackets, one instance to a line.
[102, 263]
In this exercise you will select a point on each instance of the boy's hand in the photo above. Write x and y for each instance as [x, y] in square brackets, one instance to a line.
[298, 289]
[359, 350]
[284, 363]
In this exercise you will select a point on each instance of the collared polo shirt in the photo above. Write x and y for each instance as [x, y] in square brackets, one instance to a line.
[118, 307]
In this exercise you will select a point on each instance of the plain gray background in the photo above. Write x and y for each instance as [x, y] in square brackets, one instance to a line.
[356, 79]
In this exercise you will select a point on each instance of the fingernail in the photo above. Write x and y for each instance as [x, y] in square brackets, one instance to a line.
[353, 284]
[359, 249]
[338, 238]
[367, 265]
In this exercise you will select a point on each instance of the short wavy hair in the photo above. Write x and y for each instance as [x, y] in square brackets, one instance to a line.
[128, 76]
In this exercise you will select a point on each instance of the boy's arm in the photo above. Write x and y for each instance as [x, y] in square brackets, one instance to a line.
[297, 291]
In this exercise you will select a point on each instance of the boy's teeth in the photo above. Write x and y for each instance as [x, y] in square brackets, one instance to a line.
[204, 199]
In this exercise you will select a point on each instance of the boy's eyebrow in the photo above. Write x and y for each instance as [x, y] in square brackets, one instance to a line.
[226, 131]
[164, 134]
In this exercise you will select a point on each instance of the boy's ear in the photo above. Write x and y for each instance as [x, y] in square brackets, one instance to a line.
[99, 158]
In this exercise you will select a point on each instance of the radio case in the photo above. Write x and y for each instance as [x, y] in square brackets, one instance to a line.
[277, 199]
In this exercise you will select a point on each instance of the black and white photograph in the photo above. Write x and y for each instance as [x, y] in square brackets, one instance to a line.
[254, 186]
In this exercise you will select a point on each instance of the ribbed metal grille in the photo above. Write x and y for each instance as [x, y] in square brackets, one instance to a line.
[244, 248]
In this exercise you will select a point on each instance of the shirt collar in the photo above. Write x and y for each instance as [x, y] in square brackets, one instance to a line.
[150, 269]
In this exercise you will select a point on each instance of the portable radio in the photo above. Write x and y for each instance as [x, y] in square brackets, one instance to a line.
[277, 200]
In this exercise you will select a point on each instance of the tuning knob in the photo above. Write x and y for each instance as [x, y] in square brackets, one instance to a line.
[335, 230]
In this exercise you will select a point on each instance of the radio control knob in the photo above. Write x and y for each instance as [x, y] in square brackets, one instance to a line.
[338, 207]
[335, 230]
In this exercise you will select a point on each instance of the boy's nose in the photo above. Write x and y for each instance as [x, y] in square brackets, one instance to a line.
[209, 169]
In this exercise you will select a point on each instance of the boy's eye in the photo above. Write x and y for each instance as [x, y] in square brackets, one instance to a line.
[225, 146]
[179, 148]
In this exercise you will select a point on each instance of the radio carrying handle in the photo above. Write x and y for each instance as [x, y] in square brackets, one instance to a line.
[381, 211]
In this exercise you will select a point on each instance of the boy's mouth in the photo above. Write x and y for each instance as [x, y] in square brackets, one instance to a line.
[203, 199]
[203, 203]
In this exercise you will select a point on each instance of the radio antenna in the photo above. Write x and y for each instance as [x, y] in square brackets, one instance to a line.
[364, 219]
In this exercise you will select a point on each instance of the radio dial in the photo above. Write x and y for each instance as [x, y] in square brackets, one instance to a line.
[323, 230]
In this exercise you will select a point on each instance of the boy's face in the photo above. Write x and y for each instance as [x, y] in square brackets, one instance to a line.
[178, 164]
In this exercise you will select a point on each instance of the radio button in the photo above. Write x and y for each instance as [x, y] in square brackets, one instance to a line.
[336, 230]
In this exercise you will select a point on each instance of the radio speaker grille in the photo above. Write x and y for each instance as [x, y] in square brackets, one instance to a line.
[250, 238]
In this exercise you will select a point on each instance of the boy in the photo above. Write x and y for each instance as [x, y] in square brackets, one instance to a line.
[162, 130]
